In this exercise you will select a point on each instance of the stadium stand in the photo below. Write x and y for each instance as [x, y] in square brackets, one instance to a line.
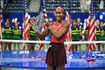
[14, 5]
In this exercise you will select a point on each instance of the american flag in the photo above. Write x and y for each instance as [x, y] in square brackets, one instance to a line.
[69, 33]
[91, 29]
[26, 27]
[1, 21]
[45, 15]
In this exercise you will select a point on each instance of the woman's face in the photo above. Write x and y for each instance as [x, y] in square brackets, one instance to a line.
[59, 14]
[32, 21]
[7, 22]
[97, 22]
